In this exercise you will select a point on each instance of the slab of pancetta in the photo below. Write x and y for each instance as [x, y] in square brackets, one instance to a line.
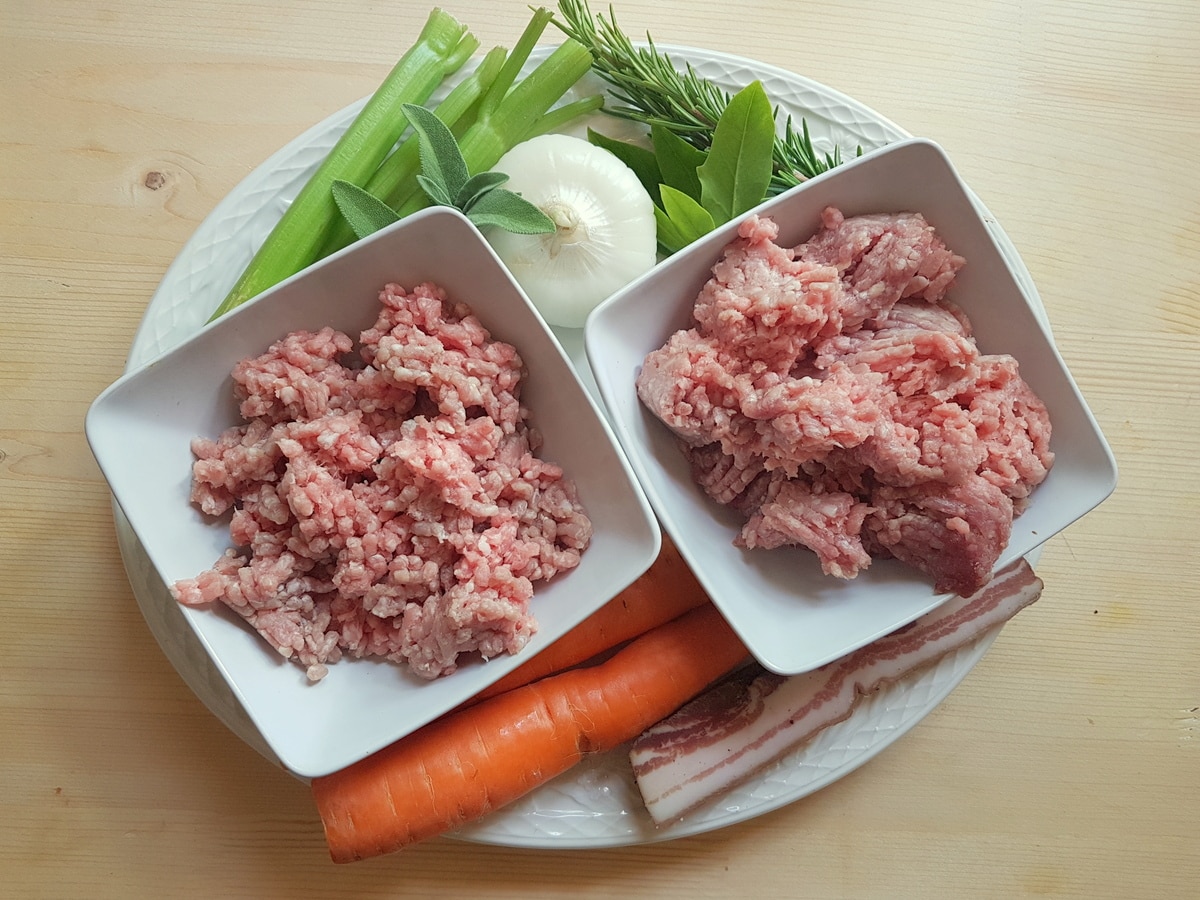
[755, 716]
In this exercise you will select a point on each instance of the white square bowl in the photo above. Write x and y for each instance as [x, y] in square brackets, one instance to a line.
[140, 429]
[792, 617]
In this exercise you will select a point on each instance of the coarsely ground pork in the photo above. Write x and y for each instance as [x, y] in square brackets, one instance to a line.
[833, 395]
[390, 503]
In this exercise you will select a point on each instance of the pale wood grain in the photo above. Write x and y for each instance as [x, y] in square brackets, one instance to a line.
[1068, 762]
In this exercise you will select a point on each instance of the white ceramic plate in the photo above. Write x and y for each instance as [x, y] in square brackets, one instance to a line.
[595, 805]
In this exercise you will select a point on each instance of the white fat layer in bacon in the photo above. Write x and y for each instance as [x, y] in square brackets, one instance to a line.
[754, 717]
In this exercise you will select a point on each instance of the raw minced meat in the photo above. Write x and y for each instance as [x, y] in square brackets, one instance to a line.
[386, 503]
[834, 395]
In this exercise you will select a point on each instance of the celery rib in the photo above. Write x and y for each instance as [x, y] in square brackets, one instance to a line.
[442, 48]
[515, 116]
[562, 116]
[396, 177]
[531, 98]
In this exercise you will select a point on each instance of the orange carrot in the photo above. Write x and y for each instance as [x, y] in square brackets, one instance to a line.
[665, 591]
[471, 762]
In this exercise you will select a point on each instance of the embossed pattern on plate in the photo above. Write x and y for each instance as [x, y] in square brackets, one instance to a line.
[596, 804]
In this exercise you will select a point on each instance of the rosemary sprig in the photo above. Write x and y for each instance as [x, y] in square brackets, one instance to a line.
[650, 88]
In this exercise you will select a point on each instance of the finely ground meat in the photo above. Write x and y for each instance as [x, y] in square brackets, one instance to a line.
[388, 502]
[834, 396]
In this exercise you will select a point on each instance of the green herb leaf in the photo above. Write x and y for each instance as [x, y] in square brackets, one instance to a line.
[512, 212]
[737, 173]
[643, 162]
[442, 165]
[670, 236]
[364, 212]
[435, 190]
[681, 219]
[476, 187]
[678, 160]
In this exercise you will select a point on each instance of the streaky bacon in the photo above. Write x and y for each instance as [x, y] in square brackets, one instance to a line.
[753, 717]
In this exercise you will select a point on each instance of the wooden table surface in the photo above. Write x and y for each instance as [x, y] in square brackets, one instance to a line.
[1067, 764]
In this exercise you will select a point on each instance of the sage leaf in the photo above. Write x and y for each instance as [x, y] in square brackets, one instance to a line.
[476, 187]
[435, 189]
[737, 173]
[512, 212]
[364, 212]
[444, 177]
[442, 162]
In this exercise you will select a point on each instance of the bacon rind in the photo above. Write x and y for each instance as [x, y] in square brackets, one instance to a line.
[754, 717]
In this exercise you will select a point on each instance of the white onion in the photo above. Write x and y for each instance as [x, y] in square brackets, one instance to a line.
[606, 231]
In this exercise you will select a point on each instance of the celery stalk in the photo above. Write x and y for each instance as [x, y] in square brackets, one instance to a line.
[506, 120]
[408, 197]
[517, 115]
[442, 47]
[396, 177]
[508, 73]
[562, 116]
